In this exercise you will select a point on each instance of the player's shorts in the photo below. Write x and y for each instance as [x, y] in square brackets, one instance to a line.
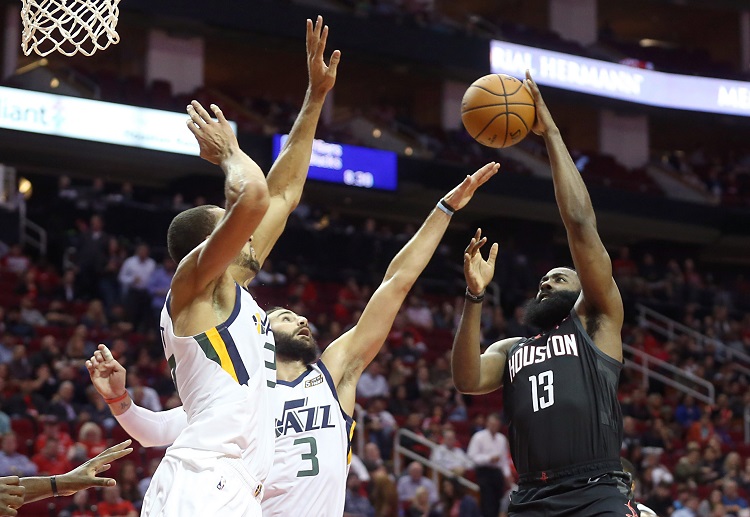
[213, 486]
[607, 495]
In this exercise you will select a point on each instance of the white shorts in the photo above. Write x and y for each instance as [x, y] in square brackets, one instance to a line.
[215, 486]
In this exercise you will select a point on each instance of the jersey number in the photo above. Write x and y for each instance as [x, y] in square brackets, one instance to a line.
[312, 456]
[538, 382]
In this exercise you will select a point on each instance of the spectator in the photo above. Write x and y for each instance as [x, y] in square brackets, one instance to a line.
[142, 395]
[134, 276]
[127, 482]
[95, 317]
[380, 425]
[52, 431]
[15, 261]
[703, 430]
[12, 462]
[62, 404]
[454, 502]
[383, 495]
[732, 501]
[688, 468]
[450, 455]
[158, 285]
[373, 383]
[80, 507]
[687, 411]
[90, 443]
[414, 479]
[418, 313]
[690, 508]
[146, 481]
[356, 504]
[29, 314]
[49, 460]
[489, 451]
[114, 505]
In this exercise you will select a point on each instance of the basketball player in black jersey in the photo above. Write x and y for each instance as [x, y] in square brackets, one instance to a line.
[560, 386]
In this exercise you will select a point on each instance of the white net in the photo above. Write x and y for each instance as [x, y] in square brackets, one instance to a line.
[68, 26]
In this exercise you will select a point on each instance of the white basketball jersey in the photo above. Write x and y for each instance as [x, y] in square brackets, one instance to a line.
[224, 377]
[313, 448]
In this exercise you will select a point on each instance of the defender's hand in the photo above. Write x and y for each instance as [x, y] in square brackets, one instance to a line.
[216, 139]
[84, 476]
[462, 194]
[479, 272]
[322, 76]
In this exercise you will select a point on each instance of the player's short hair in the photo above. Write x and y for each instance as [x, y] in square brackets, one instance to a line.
[274, 309]
[188, 229]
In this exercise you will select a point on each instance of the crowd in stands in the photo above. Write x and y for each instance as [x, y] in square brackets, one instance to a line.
[109, 288]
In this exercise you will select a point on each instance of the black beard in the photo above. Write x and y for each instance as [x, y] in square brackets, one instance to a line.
[296, 349]
[545, 314]
[246, 261]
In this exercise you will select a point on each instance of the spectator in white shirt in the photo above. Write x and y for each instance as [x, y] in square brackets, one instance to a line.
[413, 479]
[450, 455]
[488, 449]
[418, 313]
[134, 276]
[372, 383]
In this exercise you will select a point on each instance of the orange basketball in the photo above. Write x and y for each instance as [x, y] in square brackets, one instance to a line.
[497, 110]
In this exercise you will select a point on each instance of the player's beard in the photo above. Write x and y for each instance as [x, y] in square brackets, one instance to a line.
[545, 314]
[296, 348]
[248, 261]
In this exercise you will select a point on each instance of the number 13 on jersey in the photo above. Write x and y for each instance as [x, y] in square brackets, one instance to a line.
[542, 384]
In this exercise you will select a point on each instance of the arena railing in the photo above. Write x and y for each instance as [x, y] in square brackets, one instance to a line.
[682, 380]
[669, 328]
[435, 469]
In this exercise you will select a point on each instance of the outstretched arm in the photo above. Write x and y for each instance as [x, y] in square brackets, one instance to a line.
[151, 429]
[288, 173]
[600, 295]
[474, 372]
[246, 195]
[80, 478]
[350, 354]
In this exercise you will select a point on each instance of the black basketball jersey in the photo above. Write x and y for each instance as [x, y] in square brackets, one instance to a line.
[560, 401]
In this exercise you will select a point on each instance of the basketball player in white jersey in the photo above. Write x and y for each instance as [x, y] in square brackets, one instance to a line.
[225, 361]
[314, 397]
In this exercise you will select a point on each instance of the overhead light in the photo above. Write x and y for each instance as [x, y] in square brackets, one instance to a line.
[54, 83]
[376, 133]
[649, 42]
[408, 151]
[24, 187]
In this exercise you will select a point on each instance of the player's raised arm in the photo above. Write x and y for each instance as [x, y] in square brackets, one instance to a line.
[350, 354]
[246, 195]
[474, 372]
[600, 296]
[288, 173]
[150, 428]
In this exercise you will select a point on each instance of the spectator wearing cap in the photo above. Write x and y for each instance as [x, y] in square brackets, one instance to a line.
[52, 430]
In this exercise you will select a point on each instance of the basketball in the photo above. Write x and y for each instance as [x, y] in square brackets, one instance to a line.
[497, 110]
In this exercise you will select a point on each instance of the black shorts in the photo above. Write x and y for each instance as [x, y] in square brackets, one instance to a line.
[608, 495]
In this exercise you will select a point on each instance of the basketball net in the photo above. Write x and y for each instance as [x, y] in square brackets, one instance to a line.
[68, 26]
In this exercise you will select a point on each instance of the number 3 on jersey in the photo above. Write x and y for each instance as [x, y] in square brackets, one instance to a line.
[543, 380]
[311, 456]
